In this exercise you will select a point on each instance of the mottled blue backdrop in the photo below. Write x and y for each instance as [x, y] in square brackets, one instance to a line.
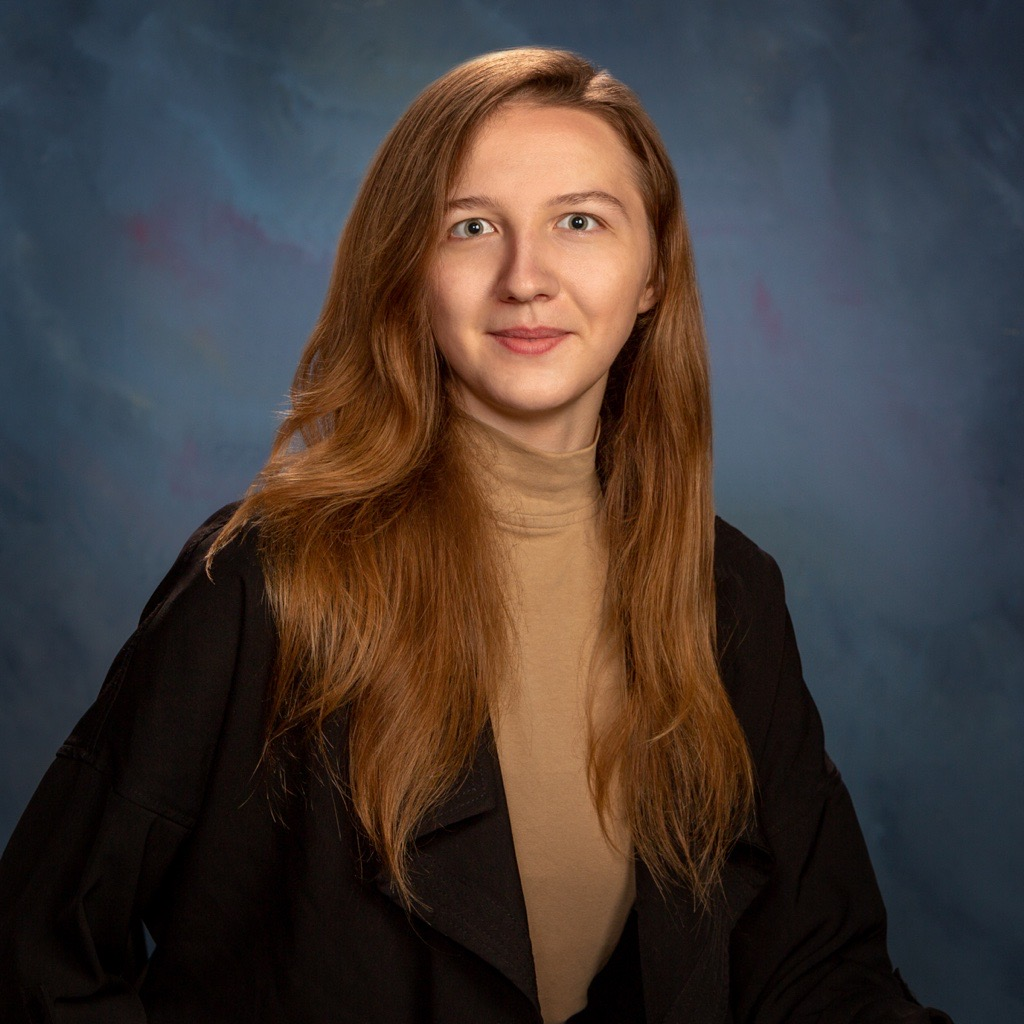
[173, 176]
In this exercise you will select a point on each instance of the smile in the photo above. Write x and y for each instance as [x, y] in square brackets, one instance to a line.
[529, 341]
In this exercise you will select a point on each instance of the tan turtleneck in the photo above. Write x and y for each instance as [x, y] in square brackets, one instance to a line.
[578, 888]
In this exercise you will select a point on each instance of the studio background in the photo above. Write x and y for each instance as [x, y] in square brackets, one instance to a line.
[173, 178]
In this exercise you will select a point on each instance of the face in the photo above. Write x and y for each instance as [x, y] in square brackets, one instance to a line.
[543, 264]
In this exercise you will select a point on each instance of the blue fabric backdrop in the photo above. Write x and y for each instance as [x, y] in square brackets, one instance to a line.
[173, 176]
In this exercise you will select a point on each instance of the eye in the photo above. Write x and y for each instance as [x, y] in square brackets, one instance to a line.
[579, 222]
[472, 228]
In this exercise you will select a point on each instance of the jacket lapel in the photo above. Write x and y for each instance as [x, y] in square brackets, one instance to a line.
[464, 871]
[683, 947]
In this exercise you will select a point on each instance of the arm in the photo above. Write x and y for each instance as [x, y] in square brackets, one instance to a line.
[72, 882]
[812, 944]
[95, 846]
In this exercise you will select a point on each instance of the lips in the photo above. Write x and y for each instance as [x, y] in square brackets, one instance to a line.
[530, 333]
[529, 341]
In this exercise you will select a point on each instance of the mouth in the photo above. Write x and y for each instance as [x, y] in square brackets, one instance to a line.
[530, 333]
[533, 341]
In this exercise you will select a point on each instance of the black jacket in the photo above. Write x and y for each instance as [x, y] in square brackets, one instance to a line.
[264, 905]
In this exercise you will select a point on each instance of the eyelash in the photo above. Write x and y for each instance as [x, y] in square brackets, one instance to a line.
[471, 220]
[586, 216]
[459, 229]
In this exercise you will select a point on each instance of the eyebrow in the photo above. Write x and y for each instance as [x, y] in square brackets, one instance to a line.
[566, 199]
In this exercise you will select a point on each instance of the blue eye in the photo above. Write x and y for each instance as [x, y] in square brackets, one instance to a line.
[472, 228]
[579, 222]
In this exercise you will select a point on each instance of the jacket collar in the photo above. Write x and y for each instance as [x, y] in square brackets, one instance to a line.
[464, 871]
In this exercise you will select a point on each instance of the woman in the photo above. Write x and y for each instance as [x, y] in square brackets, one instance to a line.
[470, 710]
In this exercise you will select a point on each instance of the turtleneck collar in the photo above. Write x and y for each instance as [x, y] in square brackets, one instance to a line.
[530, 489]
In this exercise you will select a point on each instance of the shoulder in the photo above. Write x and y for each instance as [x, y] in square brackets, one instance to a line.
[758, 656]
[204, 611]
[236, 565]
[750, 595]
[197, 664]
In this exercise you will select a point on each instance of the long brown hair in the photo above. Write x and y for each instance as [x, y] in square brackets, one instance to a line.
[378, 550]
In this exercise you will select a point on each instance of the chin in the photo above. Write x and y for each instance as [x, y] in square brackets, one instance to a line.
[534, 409]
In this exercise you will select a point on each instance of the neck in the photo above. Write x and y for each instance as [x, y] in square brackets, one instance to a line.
[550, 431]
[528, 488]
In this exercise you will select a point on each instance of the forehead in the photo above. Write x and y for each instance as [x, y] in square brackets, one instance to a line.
[542, 147]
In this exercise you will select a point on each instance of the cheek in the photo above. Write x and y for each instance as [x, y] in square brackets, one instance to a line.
[446, 318]
[614, 290]
[439, 312]
[449, 296]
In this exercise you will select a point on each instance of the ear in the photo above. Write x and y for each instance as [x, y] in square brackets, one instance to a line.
[649, 297]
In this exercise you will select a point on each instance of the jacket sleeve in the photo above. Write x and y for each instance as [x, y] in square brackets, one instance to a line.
[812, 944]
[101, 833]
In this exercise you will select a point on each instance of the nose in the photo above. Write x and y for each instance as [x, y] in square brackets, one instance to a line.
[528, 272]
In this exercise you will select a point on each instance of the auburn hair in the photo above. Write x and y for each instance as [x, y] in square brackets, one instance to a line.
[378, 549]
